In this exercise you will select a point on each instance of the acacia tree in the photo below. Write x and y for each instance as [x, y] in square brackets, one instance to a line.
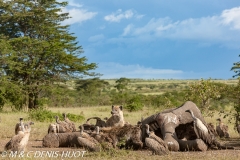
[91, 87]
[236, 92]
[122, 84]
[236, 69]
[36, 50]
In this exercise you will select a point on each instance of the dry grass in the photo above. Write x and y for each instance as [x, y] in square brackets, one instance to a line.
[39, 130]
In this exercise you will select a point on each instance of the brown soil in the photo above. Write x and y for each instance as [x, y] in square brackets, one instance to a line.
[35, 146]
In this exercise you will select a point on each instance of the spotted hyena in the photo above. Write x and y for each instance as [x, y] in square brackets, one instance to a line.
[117, 119]
[129, 134]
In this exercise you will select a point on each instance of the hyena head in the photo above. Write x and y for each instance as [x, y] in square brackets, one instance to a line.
[117, 111]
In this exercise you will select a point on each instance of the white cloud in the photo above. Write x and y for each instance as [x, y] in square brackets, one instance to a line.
[78, 15]
[207, 29]
[116, 70]
[74, 4]
[127, 29]
[232, 16]
[95, 38]
[119, 15]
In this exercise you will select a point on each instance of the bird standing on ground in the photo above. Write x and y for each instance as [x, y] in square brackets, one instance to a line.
[19, 141]
[63, 126]
[222, 129]
[18, 126]
[200, 129]
[155, 143]
[70, 123]
[87, 141]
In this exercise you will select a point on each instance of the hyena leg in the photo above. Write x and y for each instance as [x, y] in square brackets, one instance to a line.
[134, 143]
[114, 140]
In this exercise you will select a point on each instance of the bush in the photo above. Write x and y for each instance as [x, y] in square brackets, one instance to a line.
[44, 115]
[134, 104]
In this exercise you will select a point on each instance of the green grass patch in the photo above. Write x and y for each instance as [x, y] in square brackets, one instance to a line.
[45, 115]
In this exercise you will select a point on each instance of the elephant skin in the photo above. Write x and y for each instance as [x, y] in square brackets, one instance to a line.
[172, 120]
[192, 145]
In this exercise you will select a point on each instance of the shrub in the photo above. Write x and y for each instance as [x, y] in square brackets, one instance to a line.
[134, 104]
[45, 115]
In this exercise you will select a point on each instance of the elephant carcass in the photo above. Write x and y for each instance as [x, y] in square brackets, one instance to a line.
[175, 125]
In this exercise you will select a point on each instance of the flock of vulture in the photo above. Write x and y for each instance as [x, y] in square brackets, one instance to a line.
[99, 136]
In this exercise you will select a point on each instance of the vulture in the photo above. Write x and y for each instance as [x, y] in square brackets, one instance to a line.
[155, 143]
[87, 141]
[19, 141]
[18, 126]
[200, 129]
[53, 128]
[211, 127]
[70, 123]
[222, 129]
[63, 126]
[104, 139]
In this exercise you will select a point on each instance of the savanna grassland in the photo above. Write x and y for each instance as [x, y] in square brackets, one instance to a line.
[39, 129]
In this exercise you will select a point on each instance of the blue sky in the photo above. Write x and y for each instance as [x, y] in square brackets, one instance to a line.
[158, 39]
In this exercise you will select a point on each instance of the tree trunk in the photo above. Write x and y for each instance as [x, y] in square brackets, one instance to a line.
[32, 101]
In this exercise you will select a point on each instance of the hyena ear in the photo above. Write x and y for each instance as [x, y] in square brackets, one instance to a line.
[121, 107]
[112, 106]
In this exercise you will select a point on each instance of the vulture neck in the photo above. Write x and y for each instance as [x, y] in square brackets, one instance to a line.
[147, 129]
[97, 130]
[81, 129]
[57, 119]
[22, 126]
[192, 115]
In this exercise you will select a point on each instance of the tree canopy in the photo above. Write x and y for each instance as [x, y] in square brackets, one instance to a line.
[236, 69]
[122, 83]
[36, 50]
[91, 87]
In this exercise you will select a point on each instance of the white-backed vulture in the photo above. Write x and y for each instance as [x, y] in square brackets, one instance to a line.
[70, 123]
[20, 140]
[222, 129]
[63, 126]
[87, 141]
[104, 139]
[53, 128]
[211, 127]
[200, 129]
[155, 143]
[18, 126]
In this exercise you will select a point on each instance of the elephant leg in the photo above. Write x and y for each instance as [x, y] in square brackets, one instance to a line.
[91, 146]
[170, 137]
[171, 142]
[192, 145]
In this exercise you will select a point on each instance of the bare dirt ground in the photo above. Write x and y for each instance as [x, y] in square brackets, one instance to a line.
[36, 151]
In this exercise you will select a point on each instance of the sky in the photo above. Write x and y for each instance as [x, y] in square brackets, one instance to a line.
[158, 39]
